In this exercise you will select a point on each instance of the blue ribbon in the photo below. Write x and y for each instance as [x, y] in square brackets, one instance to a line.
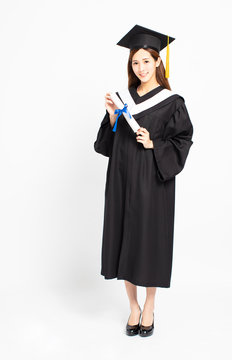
[119, 112]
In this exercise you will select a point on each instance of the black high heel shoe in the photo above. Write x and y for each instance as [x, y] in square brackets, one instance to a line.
[146, 330]
[133, 329]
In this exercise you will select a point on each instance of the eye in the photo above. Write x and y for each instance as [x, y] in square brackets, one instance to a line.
[135, 63]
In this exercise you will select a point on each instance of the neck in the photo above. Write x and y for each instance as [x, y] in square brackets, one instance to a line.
[147, 86]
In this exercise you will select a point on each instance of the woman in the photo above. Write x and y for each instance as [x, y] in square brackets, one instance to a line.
[137, 244]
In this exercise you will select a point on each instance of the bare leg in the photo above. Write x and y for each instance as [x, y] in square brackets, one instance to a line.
[147, 315]
[134, 306]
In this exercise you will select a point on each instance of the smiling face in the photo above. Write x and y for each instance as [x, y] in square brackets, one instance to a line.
[144, 66]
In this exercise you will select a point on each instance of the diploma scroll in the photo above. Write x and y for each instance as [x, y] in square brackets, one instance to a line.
[129, 118]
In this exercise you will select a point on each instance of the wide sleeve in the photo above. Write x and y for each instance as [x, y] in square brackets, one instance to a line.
[105, 137]
[172, 149]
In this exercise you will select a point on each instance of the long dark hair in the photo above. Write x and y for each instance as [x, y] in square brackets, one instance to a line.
[160, 70]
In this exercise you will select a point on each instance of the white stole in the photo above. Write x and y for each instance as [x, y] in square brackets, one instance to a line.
[134, 108]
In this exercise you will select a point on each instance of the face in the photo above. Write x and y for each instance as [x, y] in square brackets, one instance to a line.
[144, 65]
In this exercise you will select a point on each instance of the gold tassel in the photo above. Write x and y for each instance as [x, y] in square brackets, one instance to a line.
[167, 61]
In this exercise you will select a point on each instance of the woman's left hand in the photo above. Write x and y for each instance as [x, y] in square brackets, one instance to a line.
[144, 138]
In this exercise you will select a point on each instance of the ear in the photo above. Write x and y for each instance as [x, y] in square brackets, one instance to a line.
[158, 61]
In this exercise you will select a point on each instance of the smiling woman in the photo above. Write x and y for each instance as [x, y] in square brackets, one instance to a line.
[138, 229]
[144, 67]
[147, 61]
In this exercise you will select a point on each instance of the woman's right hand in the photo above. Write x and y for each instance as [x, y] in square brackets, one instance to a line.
[110, 105]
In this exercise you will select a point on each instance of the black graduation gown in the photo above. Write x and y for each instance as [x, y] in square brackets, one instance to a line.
[138, 227]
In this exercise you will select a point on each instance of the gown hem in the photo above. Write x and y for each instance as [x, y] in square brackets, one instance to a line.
[136, 282]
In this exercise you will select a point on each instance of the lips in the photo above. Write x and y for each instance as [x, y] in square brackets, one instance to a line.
[143, 74]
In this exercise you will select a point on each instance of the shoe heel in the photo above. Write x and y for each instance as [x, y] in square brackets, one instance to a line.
[132, 330]
[146, 330]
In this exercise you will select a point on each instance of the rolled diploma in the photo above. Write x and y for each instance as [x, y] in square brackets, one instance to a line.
[131, 121]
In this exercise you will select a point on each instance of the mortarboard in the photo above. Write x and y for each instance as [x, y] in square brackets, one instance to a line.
[141, 37]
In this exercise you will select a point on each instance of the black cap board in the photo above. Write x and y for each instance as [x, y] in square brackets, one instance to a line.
[141, 37]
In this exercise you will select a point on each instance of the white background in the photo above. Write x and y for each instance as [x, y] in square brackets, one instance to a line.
[58, 59]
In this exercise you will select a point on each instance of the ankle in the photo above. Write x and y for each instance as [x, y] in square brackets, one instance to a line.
[149, 306]
[134, 306]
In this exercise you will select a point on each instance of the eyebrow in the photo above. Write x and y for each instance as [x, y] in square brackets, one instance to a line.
[142, 59]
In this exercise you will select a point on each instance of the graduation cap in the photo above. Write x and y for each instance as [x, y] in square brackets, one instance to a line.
[141, 37]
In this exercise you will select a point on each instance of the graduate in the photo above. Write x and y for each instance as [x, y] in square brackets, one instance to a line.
[138, 227]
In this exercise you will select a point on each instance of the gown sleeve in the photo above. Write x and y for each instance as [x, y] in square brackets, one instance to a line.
[172, 149]
[105, 137]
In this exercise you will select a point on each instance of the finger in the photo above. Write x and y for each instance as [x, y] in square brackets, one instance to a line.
[109, 101]
[108, 97]
[140, 136]
[145, 130]
[142, 131]
[139, 132]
